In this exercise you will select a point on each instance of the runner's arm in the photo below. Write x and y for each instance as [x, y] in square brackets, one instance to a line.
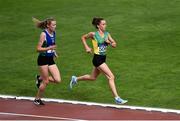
[111, 41]
[84, 38]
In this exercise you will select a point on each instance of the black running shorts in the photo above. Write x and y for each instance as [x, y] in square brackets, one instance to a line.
[45, 60]
[98, 60]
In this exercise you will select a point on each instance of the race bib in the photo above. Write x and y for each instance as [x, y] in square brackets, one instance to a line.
[102, 48]
[50, 51]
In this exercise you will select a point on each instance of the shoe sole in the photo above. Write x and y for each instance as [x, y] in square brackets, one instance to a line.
[70, 85]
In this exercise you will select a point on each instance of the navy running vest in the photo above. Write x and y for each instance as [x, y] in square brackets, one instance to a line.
[50, 40]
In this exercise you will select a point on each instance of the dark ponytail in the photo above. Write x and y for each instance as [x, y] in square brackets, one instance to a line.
[96, 21]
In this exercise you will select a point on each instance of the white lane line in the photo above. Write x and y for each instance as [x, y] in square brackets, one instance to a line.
[93, 104]
[38, 116]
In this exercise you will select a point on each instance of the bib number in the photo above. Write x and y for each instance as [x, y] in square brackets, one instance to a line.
[50, 51]
[102, 48]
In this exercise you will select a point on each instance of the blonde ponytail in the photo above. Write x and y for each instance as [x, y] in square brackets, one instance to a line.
[39, 24]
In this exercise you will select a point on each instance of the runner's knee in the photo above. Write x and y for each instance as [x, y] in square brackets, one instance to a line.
[93, 78]
[46, 82]
[58, 80]
[43, 85]
[111, 77]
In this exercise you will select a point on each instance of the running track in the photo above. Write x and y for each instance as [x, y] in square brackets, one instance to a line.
[26, 110]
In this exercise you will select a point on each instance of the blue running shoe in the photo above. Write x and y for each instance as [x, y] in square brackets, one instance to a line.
[73, 82]
[119, 100]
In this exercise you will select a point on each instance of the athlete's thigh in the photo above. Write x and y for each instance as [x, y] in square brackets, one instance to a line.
[53, 69]
[44, 72]
[105, 70]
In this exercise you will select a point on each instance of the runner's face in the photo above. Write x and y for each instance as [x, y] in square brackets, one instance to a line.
[52, 26]
[102, 25]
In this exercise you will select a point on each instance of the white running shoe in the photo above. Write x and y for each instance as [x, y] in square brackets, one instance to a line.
[73, 82]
